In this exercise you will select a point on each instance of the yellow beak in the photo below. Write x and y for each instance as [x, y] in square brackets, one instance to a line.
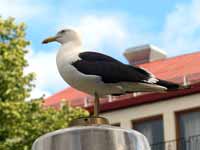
[49, 39]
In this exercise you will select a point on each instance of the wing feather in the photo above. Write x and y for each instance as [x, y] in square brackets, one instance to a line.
[110, 69]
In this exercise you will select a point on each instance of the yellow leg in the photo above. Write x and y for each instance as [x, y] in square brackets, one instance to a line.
[96, 105]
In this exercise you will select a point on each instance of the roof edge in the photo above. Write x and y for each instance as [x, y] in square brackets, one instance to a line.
[146, 99]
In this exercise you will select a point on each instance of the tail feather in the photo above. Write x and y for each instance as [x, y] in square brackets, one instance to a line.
[159, 86]
[171, 86]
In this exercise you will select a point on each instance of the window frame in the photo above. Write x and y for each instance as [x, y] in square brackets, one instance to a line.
[143, 119]
[177, 116]
[149, 118]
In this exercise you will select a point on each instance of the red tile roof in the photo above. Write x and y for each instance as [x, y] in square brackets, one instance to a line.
[72, 95]
[173, 69]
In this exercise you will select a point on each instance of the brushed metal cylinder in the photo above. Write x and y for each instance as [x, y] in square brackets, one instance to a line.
[101, 137]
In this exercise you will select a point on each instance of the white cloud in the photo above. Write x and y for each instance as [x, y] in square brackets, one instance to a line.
[97, 31]
[47, 76]
[182, 28]
[20, 9]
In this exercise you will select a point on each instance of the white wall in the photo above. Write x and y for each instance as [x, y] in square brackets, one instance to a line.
[165, 108]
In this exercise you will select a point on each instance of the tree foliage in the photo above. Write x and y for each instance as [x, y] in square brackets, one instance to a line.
[23, 122]
[14, 85]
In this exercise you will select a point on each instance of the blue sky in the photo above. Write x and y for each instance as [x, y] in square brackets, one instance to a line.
[108, 26]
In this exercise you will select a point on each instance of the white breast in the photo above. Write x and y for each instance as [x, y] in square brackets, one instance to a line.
[67, 55]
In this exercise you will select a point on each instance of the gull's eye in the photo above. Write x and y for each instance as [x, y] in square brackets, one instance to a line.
[62, 31]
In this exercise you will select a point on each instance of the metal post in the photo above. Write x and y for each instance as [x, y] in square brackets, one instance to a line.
[96, 105]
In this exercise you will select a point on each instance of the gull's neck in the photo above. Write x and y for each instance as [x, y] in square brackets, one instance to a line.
[69, 52]
[71, 47]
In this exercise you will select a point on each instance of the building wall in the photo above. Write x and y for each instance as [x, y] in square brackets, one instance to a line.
[165, 108]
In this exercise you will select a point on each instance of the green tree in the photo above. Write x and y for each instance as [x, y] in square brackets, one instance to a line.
[22, 122]
[14, 84]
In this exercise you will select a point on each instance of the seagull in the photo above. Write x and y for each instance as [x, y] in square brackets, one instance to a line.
[99, 74]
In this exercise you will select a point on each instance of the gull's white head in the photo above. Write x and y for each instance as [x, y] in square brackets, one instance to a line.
[64, 36]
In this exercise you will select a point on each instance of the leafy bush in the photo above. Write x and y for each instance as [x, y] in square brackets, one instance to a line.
[22, 122]
[14, 84]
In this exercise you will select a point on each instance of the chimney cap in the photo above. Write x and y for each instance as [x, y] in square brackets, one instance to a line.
[143, 54]
[144, 47]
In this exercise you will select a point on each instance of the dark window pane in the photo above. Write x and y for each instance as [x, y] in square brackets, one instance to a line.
[153, 130]
[116, 124]
[189, 130]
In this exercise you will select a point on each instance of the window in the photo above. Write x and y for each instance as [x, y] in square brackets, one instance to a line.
[152, 128]
[116, 124]
[189, 130]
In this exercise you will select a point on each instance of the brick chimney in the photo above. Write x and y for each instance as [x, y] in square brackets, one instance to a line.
[144, 54]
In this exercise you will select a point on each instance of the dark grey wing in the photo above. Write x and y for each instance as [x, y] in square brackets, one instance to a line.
[95, 56]
[109, 69]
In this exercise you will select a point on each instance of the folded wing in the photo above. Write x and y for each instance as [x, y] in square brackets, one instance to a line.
[110, 69]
